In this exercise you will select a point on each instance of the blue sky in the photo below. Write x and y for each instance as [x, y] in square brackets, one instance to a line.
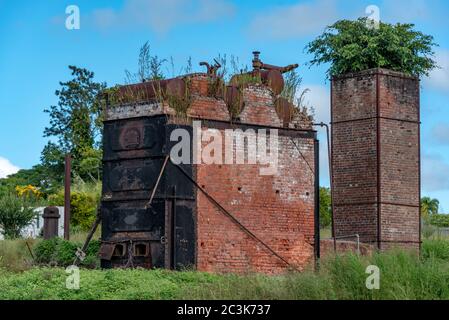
[36, 48]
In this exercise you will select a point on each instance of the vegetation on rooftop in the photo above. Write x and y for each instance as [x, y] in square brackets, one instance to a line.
[352, 46]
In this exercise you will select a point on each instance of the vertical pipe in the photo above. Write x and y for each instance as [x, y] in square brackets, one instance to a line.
[68, 163]
[331, 164]
[331, 183]
[317, 202]
[329, 157]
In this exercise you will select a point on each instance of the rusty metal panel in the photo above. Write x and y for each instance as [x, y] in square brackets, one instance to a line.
[132, 138]
[133, 160]
[131, 175]
[106, 251]
[130, 216]
[184, 235]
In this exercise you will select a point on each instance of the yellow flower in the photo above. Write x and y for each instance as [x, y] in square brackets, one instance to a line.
[28, 191]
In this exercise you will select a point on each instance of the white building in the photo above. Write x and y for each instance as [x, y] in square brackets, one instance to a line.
[35, 228]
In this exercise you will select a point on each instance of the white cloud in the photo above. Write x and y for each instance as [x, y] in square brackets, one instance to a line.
[435, 173]
[294, 20]
[439, 78]
[7, 168]
[161, 15]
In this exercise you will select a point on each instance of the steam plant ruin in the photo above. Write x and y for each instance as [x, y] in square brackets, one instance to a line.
[376, 157]
[206, 213]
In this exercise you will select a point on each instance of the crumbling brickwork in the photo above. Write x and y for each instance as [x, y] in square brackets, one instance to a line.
[376, 157]
[278, 209]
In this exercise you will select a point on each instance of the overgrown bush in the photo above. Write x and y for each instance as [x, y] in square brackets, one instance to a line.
[15, 255]
[440, 220]
[83, 203]
[352, 46]
[435, 249]
[58, 252]
[15, 214]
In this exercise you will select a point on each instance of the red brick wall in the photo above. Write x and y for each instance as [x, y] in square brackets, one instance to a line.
[259, 107]
[375, 143]
[278, 209]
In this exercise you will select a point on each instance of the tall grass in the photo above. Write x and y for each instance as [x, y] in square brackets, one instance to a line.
[15, 255]
[403, 275]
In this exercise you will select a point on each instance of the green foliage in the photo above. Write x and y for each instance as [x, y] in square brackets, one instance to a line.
[58, 252]
[15, 214]
[429, 207]
[137, 284]
[149, 67]
[76, 122]
[440, 220]
[403, 275]
[325, 207]
[37, 176]
[90, 163]
[83, 208]
[435, 249]
[351, 46]
[15, 255]
[292, 87]
[84, 199]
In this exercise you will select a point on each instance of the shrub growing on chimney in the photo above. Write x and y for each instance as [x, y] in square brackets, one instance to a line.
[352, 46]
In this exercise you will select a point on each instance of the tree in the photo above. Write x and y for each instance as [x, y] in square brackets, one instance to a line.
[38, 176]
[325, 207]
[76, 121]
[352, 46]
[15, 214]
[429, 207]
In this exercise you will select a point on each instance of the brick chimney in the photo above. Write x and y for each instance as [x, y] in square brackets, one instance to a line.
[376, 157]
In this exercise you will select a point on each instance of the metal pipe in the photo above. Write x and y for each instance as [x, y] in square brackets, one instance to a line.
[329, 157]
[317, 203]
[357, 236]
[153, 192]
[68, 169]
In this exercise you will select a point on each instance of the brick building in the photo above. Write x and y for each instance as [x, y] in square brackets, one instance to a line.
[213, 217]
[376, 157]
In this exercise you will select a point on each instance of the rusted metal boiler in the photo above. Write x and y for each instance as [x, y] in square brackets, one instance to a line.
[134, 232]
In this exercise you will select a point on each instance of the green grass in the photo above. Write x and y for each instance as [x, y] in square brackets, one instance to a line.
[14, 254]
[403, 275]
[326, 233]
[49, 283]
